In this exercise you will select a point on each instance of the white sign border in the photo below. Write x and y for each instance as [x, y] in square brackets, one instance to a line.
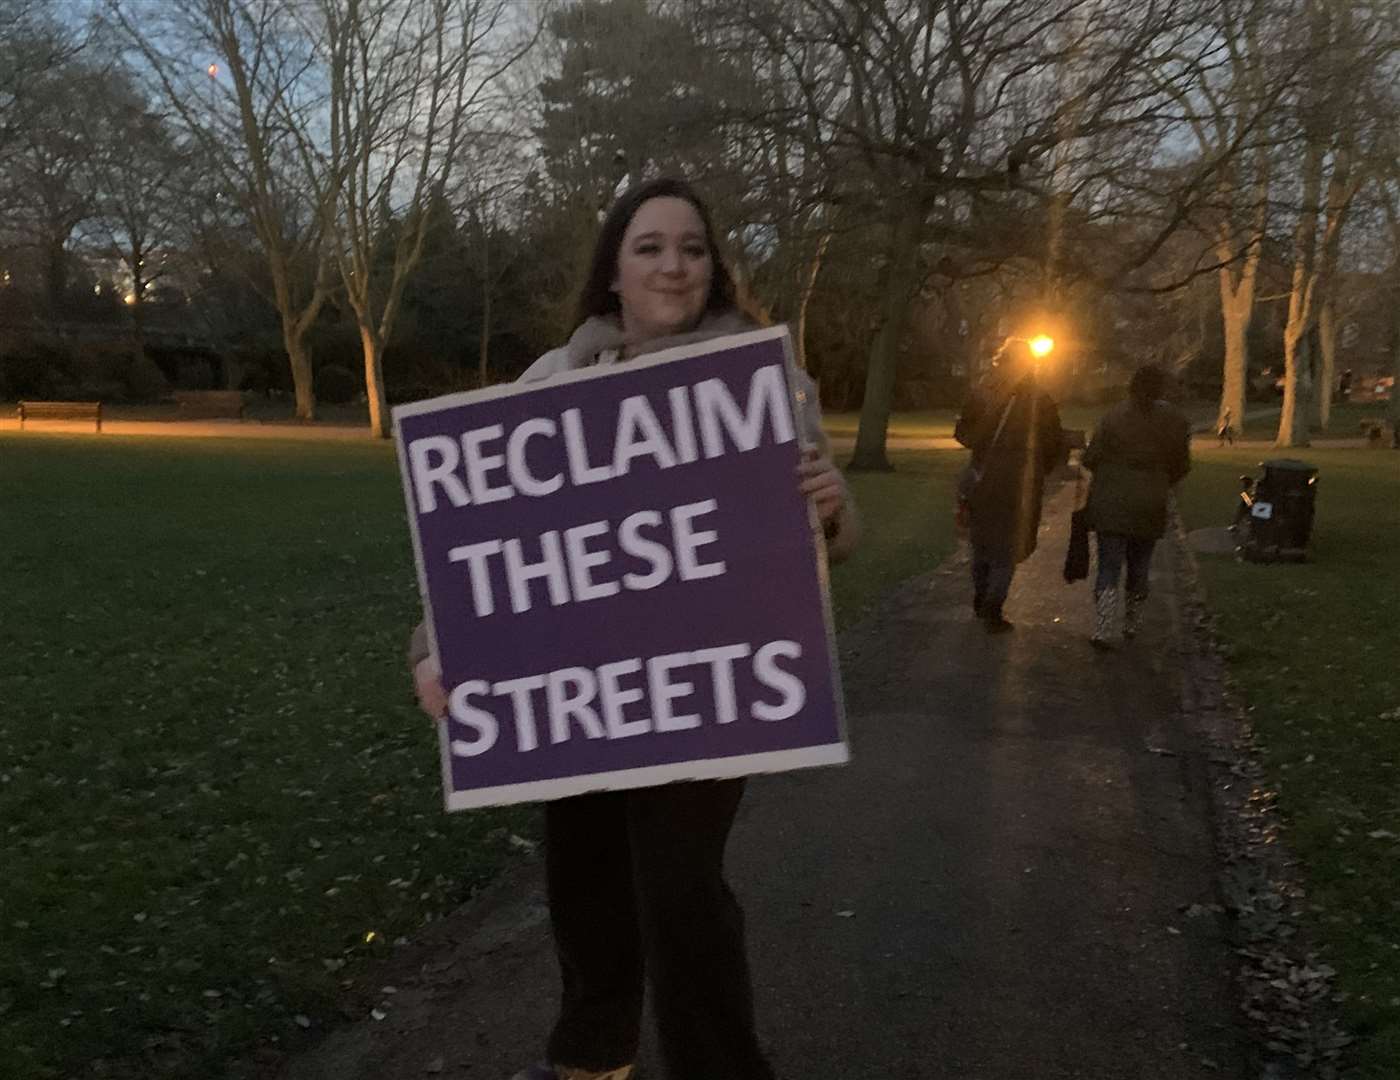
[773, 761]
[825, 754]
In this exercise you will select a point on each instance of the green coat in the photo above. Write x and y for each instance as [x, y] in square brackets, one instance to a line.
[1136, 455]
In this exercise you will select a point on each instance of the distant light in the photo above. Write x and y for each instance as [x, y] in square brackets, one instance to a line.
[213, 70]
[1041, 345]
[130, 298]
[370, 937]
[97, 289]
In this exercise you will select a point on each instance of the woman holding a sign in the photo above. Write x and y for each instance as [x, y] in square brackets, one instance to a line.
[635, 877]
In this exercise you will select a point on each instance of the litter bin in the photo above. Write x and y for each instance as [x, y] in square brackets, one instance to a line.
[1275, 516]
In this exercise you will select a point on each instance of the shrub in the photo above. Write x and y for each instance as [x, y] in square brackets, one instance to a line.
[29, 369]
[337, 385]
[145, 381]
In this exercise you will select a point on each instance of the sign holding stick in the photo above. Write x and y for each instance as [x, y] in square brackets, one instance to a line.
[623, 585]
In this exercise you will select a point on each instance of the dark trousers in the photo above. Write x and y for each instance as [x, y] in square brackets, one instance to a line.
[1114, 551]
[991, 581]
[636, 887]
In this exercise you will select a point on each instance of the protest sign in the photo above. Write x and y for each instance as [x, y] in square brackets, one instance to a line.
[622, 583]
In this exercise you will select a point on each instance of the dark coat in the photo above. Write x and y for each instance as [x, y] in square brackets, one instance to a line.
[1136, 455]
[1004, 504]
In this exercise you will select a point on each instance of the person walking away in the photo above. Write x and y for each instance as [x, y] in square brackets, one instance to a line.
[1012, 427]
[635, 878]
[1140, 450]
[1226, 431]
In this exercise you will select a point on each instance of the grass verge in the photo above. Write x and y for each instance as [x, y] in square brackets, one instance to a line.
[1312, 650]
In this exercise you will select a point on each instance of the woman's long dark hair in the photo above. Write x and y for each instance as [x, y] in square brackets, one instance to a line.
[598, 297]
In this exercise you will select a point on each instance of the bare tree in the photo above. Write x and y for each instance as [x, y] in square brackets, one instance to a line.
[487, 200]
[1231, 109]
[137, 169]
[248, 115]
[411, 84]
[49, 180]
[997, 128]
[32, 43]
[1342, 42]
[1390, 204]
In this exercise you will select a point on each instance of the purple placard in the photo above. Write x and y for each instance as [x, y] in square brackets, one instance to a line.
[622, 583]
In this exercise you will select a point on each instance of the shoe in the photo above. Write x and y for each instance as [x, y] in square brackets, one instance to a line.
[1105, 618]
[995, 622]
[1132, 619]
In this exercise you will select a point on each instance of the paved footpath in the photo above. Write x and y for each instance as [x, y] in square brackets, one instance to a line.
[1000, 887]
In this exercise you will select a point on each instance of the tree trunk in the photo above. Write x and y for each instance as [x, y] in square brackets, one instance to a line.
[1303, 294]
[485, 343]
[897, 290]
[303, 381]
[1394, 411]
[374, 383]
[1297, 384]
[138, 306]
[232, 369]
[138, 327]
[809, 284]
[56, 274]
[1293, 421]
[1236, 313]
[1327, 368]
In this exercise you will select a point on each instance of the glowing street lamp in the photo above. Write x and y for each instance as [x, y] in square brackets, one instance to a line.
[1041, 345]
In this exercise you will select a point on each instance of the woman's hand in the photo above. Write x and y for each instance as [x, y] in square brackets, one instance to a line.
[427, 685]
[821, 481]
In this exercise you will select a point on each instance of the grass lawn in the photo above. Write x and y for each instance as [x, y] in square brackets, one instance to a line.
[1261, 420]
[907, 518]
[1314, 650]
[213, 782]
[938, 423]
[217, 796]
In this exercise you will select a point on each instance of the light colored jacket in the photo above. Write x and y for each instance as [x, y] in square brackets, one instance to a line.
[600, 340]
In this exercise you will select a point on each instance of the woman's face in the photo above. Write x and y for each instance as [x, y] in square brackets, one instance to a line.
[663, 269]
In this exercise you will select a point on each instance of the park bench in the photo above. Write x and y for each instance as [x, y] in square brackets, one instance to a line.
[210, 404]
[60, 410]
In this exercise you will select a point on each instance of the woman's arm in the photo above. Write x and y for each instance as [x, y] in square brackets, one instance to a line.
[822, 482]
